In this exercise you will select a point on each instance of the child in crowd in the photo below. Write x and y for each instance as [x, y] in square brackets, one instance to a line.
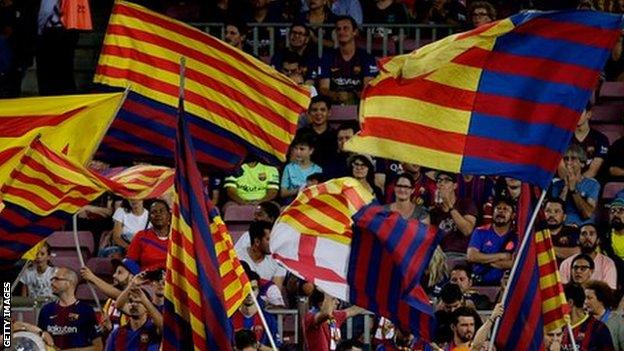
[37, 279]
[297, 171]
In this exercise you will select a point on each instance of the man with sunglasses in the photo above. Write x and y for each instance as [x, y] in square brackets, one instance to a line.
[613, 243]
[68, 323]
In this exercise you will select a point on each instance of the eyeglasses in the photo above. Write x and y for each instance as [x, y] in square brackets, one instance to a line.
[301, 34]
[615, 210]
[401, 186]
[359, 164]
[57, 278]
[580, 268]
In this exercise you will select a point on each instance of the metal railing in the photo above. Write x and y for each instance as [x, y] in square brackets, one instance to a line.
[378, 39]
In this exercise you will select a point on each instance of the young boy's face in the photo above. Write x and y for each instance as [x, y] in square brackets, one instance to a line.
[302, 152]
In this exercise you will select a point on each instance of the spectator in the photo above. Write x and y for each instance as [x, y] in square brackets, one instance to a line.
[294, 68]
[451, 12]
[129, 219]
[351, 8]
[316, 15]
[589, 333]
[604, 266]
[615, 159]
[236, 35]
[594, 144]
[298, 46]
[615, 238]
[322, 322]
[424, 186]
[68, 323]
[583, 268]
[579, 192]
[252, 183]
[480, 189]
[267, 211]
[121, 278]
[337, 166]
[269, 293]
[262, 11]
[325, 146]
[245, 340]
[315, 179]
[258, 254]
[247, 317]
[344, 71]
[492, 248]
[455, 216]
[552, 339]
[481, 12]
[465, 321]
[564, 237]
[362, 169]
[481, 338]
[55, 52]
[144, 328]
[404, 189]
[36, 280]
[385, 12]
[297, 171]
[461, 274]
[148, 249]
[451, 298]
[599, 304]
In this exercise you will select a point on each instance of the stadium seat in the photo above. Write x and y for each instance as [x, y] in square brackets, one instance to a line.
[612, 91]
[612, 188]
[239, 213]
[102, 267]
[84, 293]
[62, 243]
[612, 131]
[608, 113]
[71, 262]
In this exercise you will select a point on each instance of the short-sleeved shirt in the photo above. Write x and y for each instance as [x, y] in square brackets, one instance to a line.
[325, 145]
[131, 222]
[589, 335]
[325, 336]
[147, 251]
[70, 326]
[487, 241]
[266, 269]
[568, 236]
[294, 176]
[252, 183]
[604, 270]
[595, 145]
[145, 338]
[454, 240]
[347, 75]
[588, 188]
[39, 285]
[254, 323]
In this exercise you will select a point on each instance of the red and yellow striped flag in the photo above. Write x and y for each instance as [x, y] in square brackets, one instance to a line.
[555, 309]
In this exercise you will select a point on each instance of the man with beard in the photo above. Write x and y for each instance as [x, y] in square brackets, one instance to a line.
[121, 277]
[564, 237]
[247, 317]
[464, 324]
[615, 238]
[145, 324]
[491, 248]
[604, 266]
[68, 323]
[258, 254]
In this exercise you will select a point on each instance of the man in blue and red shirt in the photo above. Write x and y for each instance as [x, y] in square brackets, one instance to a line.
[67, 322]
[144, 328]
[491, 247]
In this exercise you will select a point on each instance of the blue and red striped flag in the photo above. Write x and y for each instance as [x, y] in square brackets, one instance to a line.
[235, 103]
[388, 257]
[195, 315]
[502, 99]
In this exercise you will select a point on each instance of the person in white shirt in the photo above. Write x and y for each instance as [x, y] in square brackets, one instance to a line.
[36, 279]
[128, 219]
[258, 255]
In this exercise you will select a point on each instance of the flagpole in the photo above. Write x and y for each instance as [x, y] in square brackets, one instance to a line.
[569, 328]
[514, 268]
[264, 322]
[82, 262]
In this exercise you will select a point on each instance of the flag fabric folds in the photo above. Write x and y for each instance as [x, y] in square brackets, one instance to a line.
[47, 188]
[388, 258]
[502, 99]
[195, 315]
[311, 237]
[234, 102]
[62, 122]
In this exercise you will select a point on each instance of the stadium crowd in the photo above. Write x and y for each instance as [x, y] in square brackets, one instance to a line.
[477, 215]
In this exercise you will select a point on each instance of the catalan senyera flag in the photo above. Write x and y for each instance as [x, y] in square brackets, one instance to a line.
[43, 191]
[502, 99]
[235, 103]
[142, 182]
[195, 314]
[73, 124]
[388, 257]
[312, 236]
